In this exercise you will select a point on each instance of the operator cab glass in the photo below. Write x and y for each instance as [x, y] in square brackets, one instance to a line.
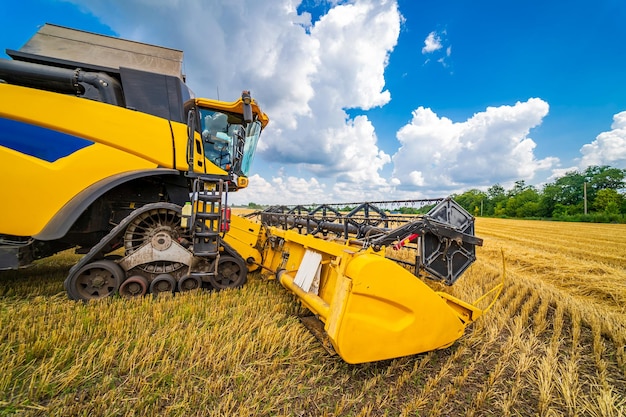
[253, 132]
[227, 143]
[218, 143]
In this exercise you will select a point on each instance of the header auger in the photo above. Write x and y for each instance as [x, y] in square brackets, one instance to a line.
[110, 153]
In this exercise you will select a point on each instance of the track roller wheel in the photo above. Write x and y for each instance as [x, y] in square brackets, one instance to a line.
[163, 283]
[189, 282]
[135, 286]
[231, 273]
[95, 280]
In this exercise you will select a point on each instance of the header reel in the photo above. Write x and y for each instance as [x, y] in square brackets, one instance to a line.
[443, 239]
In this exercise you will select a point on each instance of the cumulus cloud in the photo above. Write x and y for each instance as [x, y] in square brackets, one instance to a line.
[358, 160]
[489, 147]
[281, 190]
[354, 44]
[432, 43]
[609, 148]
[436, 47]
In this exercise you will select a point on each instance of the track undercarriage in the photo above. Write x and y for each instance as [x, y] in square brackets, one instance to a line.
[151, 252]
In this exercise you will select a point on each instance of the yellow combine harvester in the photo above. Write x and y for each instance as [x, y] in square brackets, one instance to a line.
[101, 144]
[104, 148]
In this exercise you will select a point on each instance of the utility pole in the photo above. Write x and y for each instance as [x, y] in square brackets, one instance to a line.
[585, 196]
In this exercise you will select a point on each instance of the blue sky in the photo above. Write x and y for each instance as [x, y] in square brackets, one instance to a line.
[383, 99]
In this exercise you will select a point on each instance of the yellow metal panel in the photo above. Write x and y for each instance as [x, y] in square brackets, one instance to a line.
[145, 136]
[388, 313]
[35, 190]
[373, 308]
[233, 107]
[242, 236]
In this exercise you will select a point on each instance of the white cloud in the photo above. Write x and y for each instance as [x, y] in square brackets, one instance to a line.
[609, 148]
[359, 161]
[491, 146]
[281, 190]
[560, 172]
[432, 43]
[354, 45]
[416, 178]
[436, 47]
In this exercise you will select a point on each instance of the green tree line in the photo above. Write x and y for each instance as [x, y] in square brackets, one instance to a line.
[595, 194]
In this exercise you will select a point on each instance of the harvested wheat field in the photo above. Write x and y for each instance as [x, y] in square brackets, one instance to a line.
[552, 345]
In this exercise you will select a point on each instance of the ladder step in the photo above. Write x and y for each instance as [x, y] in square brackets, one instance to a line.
[209, 197]
[205, 234]
[206, 254]
[201, 215]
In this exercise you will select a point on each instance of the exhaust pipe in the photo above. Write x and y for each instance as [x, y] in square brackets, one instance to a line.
[61, 80]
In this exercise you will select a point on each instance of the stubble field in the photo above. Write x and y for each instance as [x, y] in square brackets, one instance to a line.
[552, 345]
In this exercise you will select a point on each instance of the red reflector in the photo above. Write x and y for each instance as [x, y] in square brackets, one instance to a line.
[225, 226]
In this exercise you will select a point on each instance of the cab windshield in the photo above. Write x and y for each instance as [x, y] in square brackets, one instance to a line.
[229, 143]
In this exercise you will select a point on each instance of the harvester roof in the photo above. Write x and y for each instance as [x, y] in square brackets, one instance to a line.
[71, 48]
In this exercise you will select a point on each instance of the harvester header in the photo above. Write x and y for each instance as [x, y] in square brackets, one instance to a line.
[359, 273]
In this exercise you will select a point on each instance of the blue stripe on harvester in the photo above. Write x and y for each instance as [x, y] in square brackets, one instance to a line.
[37, 141]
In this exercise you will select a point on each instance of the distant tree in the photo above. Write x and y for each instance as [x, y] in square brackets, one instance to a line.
[254, 206]
[603, 177]
[524, 202]
[528, 209]
[608, 201]
[496, 191]
[549, 200]
[409, 210]
[500, 209]
[425, 208]
[571, 187]
[560, 210]
[568, 191]
[519, 187]
[496, 197]
[471, 200]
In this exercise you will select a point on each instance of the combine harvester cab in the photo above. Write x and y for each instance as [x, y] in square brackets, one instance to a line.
[365, 306]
